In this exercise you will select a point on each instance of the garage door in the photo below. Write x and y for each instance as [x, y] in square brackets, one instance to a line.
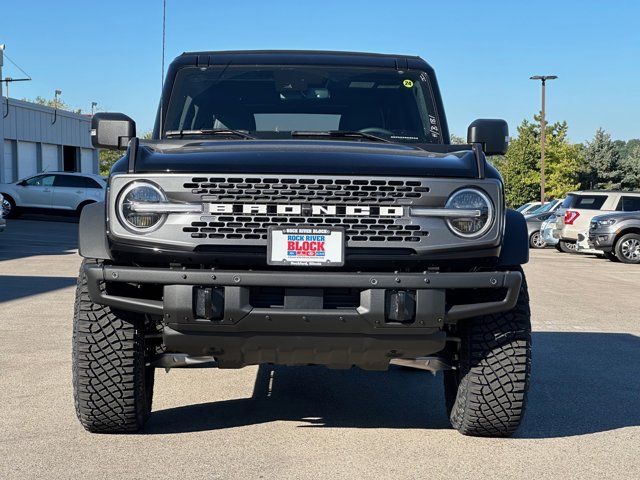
[86, 160]
[50, 158]
[7, 169]
[27, 159]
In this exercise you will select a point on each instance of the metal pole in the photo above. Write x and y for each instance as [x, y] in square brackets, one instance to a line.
[1, 63]
[543, 135]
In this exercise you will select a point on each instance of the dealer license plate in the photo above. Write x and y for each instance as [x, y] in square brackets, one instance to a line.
[300, 246]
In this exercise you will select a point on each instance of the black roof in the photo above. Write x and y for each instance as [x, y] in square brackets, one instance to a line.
[302, 57]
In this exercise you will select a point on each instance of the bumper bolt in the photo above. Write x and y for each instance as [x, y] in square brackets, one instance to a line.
[267, 317]
[427, 281]
[213, 277]
[305, 318]
[493, 281]
[397, 280]
[373, 281]
[114, 274]
[184, 276]
[236, 279]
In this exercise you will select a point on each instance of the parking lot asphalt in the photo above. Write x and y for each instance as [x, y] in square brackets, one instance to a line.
[583, 418]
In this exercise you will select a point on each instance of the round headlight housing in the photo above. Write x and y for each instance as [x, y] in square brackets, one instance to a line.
[476, 213]
[140, 193]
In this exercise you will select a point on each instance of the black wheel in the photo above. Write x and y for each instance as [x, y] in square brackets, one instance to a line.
[567, 247]
[536, 240]
[9, 209]
[112, 387]
[486, 394]
[558, 247]
[611, 256]
[628, 248]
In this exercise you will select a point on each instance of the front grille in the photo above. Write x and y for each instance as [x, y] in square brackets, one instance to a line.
[322, 191]
[284, 190]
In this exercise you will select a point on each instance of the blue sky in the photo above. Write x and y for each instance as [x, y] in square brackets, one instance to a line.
[483, 51]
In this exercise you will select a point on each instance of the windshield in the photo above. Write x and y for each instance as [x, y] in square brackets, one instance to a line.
[273, 101]
[545, 208]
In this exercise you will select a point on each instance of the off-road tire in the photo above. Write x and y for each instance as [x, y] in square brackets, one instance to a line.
[565, 248]
[627, 248]
[112, 388]
[486, 395]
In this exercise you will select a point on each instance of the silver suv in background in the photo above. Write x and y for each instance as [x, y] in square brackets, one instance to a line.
[52, 191]
[617, 235]
[578, 209]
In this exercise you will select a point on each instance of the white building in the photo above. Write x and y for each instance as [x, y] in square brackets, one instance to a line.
[35, 138]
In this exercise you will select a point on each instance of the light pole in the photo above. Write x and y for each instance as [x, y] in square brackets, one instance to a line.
[543, 130]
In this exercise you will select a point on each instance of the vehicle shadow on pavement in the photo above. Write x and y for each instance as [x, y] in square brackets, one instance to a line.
[582, 383]
[13, 287]
[28, 238]
[320, 397]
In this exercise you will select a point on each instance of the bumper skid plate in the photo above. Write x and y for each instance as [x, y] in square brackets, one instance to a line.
[301, 331]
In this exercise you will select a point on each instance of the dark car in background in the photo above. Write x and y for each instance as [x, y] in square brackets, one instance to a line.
[617, 235]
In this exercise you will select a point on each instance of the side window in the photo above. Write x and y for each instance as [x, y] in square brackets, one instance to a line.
[90, 183]
[70, 181]
[41, 181]
[629, 204]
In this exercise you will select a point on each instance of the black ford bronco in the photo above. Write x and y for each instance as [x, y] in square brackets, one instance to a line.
[302, 208]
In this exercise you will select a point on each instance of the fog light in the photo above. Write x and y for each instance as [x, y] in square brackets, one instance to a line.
[400, 306]
[209, 303]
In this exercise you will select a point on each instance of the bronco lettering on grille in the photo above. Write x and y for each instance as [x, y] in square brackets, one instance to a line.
[306, 209]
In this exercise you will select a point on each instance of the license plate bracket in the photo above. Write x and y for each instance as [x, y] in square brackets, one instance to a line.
[306, 246]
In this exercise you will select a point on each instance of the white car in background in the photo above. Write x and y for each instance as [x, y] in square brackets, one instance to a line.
[52, 192]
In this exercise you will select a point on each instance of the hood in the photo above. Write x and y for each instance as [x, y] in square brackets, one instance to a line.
[617, 216]
[302, 156]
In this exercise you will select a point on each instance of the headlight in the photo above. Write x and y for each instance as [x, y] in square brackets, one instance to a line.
[477, 218]
[137, 192]
[606, 223]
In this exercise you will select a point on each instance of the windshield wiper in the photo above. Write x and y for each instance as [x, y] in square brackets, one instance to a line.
[339, 134]
[219, 131]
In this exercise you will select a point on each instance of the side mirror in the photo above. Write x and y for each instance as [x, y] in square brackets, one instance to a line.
[22, 183]
[493, 134]
[112, 130]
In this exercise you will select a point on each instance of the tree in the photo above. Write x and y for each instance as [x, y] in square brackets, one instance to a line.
[457, 140]
[630, 166]
[603, 169]
[53, 103]
[520, 167]
[109, 157]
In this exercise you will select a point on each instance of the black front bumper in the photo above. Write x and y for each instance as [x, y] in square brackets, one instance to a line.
[303, 332]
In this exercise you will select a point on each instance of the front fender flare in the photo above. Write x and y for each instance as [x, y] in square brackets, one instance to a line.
[92, 233]
[515, 245]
